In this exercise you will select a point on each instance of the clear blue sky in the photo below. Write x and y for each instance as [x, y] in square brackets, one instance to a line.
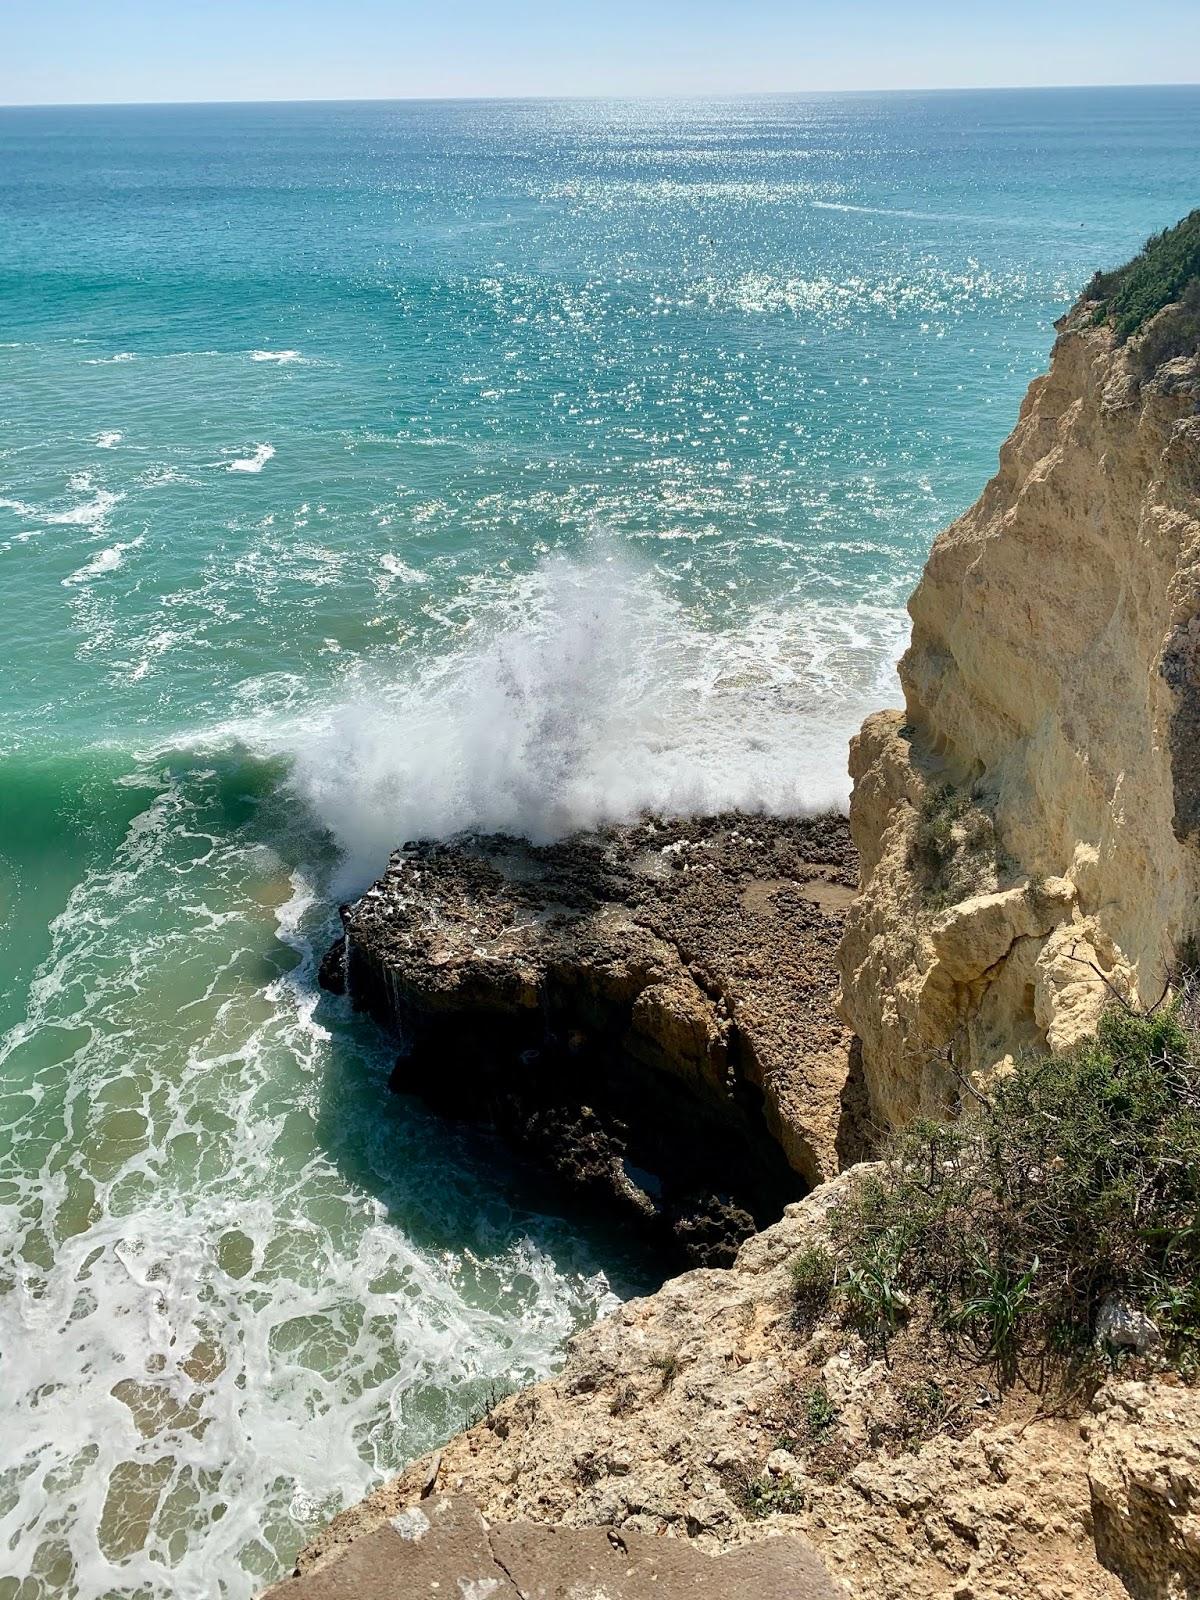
[60, 51]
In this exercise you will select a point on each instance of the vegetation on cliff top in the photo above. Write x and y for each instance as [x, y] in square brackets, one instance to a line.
[1156, 277]
[1074, 1184]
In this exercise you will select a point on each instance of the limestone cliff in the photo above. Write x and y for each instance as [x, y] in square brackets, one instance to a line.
[1028, 831]
[1027, 827]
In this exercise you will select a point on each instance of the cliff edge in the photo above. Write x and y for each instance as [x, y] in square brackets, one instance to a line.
[1027, 826]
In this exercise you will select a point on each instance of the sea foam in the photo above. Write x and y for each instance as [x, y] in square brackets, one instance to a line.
[252, 463]
[103, 561]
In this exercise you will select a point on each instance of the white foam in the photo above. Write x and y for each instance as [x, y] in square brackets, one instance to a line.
[108, 361]
[89, 513]
[109, 439]
[177, 1417]
[588, 696]
[395, 568]
[103, 561]
[892, 211]
[155, 477]
[282, 358]
[253, 463]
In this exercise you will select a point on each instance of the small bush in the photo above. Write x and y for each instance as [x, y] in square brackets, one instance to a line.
[1157, 276]
[484, 1410]
[934, 841]
[763, 1497]
[812, 1283]
[1080, 1177]
[667, 1366]
[820, 1414]
[954, 848]
[925, 1412]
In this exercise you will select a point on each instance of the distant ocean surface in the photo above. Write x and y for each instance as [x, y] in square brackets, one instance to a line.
[374, 470]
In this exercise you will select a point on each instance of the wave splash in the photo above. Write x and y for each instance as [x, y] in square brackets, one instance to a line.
[586, 697]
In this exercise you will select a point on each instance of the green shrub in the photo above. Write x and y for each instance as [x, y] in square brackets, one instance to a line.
[1079, 1177]
[954, 848]
[872, 1283]
[1157, 276]
[820, 1414]
[992, 1308]
[812, 1283]
[762, 1497]
[933, 841]
[1174, 335]
[667, 1366]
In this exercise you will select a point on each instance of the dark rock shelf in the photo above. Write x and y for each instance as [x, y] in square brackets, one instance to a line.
[645, 1011]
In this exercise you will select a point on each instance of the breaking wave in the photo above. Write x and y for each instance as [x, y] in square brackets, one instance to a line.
[587, 695]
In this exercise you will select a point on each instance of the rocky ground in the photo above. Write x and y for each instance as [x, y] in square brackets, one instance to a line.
[444, 1547]
[646, 1010]
[650, 1012]
[709, 1414]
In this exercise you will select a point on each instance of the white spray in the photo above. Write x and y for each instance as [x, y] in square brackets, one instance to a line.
[587, 695]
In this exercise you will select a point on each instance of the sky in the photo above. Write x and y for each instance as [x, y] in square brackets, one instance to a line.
[118, 51]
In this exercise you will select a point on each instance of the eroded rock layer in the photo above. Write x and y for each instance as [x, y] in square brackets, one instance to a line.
[647, 1010]
[1027, 827]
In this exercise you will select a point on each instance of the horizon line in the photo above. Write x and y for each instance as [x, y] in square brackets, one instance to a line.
[546, 98]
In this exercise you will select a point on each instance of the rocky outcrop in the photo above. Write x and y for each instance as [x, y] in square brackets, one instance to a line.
[689, 1415]
[443, 1546]
[647, 1010]
[1144, 1478]
[1027, 827]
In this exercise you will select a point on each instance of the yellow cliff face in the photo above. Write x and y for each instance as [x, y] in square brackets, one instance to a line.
[1029, 826]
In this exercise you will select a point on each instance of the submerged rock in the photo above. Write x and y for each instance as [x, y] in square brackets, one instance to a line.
[647, 1011]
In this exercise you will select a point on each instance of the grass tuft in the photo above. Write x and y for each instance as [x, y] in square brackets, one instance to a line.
[954, 851]
[820, 1413]
[763, 1497]
[812, 1284]
[667, 1366]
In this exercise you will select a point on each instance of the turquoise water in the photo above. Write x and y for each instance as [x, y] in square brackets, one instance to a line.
[368, 470]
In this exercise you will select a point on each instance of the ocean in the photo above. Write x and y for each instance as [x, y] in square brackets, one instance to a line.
[378, 470]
